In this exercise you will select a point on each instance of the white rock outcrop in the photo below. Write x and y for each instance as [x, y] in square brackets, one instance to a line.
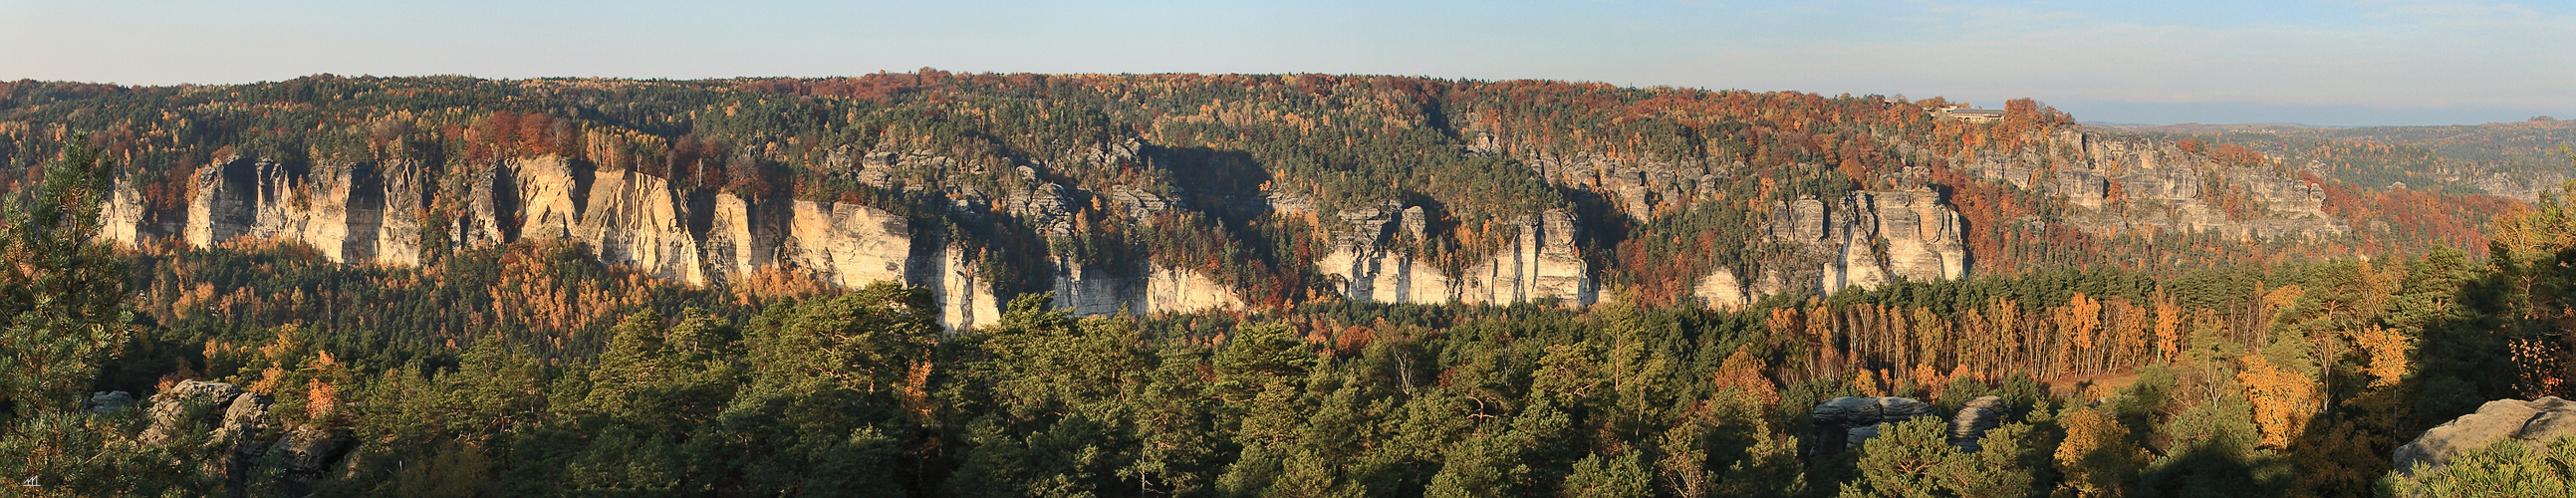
[1864, 239]
[1159, 289]
[1540, 263]
[847, 245]
[635, 219]
[370, 213]
[343, 212]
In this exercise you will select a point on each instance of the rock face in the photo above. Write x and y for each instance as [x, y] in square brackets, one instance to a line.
[1845, 422]
[372, 213]
[2532, 423]
[1541, 263]
[1160, 289]
[847, 245]
[2134, 184]
[170, 408]
[1640, 189]
[304, 454]
[375, 212]
[1862, 240]
[1972, 421]
[625, 218]
[2523, 186]
[240, 426]
[365, 212]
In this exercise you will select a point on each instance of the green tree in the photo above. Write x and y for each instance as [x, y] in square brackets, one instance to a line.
[61, 292]
[1914, 459]
[62, 296]
[2505, 468]
[1063, 392]
[1597, 476]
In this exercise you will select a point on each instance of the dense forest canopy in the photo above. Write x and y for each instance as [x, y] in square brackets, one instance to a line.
[2131, 363]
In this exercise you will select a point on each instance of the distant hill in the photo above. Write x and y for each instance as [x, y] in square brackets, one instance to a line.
[2517, 160]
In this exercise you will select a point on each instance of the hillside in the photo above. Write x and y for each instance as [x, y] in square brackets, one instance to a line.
[1181, 192]
[2518, 160]
[937, 284]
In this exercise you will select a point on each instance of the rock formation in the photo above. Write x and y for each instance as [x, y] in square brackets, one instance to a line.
[240, 426]
[1863, 239]
[304, 454]
[1160, 289]
[2533, 423]
[2129, 184]
[1845, 422]
[1541, 262]
[847, 245]
[350, 213]
[375, 212]
[170, 408]
[1972, 421]
[1641, 189]
[372, 213]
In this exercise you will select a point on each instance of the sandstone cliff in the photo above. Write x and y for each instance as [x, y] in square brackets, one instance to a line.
[1862, 240]
[1639, 189]
[374, 213]
[370, 213]
[2133, 184]
[1541, 263]
[1160, 289]
[236, 427]
[365, 212]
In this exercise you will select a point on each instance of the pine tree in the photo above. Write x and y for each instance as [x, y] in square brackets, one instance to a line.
[61, 293]
[1914, 459]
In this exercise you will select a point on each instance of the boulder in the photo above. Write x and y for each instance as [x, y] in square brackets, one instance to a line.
[1853, 438]
[243, 426]
[244, 422]
[2533, 423]
[1973, 420]
[1845, 422]
[240, 429]
[108, 402]
[170, 407]
[304, 454]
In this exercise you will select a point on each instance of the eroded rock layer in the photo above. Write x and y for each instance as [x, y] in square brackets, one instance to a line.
[372, 213]
[1541, 263]
[2134, 184]
[1862, 240]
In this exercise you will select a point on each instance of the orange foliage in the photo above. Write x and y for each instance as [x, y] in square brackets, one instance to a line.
[2284, 401]
[1749, 372]
[2238, 156]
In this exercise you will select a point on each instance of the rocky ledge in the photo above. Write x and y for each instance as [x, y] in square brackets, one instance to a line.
[2532, 423]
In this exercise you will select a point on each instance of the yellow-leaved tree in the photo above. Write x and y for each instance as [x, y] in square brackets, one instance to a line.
[2284, 400]
[2097, 456]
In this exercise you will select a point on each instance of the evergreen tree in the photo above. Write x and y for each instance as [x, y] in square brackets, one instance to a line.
[61, 293]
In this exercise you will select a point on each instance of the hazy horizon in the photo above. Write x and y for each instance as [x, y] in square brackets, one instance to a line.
[2327, 63]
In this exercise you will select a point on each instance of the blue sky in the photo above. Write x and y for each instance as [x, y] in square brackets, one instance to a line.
[2315, 62]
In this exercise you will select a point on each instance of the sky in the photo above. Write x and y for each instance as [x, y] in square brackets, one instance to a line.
[2319, 62]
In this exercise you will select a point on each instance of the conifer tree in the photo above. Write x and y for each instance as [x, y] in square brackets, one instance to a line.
[61, 293]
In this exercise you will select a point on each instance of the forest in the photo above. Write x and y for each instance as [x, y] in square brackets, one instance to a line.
[2176, 365]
